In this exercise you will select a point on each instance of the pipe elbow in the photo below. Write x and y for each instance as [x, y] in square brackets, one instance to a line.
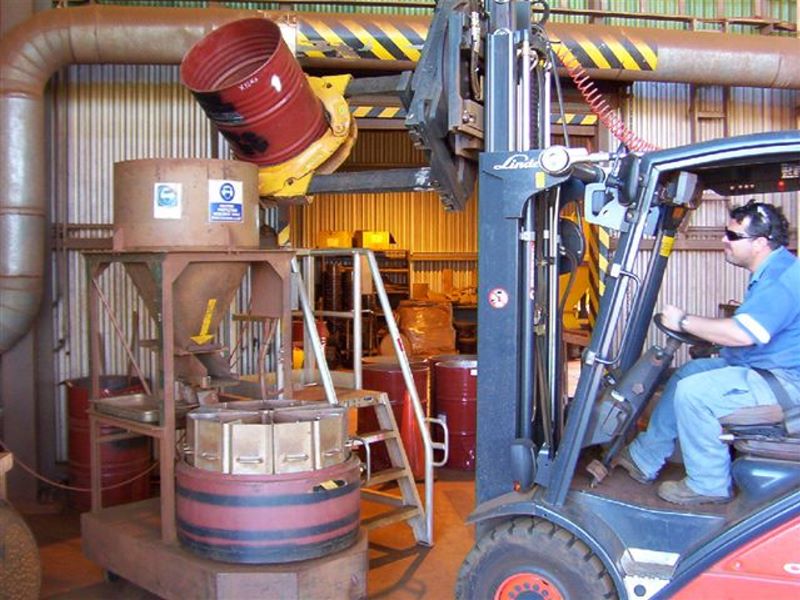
[20, 299]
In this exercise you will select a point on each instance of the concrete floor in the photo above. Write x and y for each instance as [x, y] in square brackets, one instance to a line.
[399, 569]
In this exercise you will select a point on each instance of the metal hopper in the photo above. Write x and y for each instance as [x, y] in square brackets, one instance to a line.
[187, 205]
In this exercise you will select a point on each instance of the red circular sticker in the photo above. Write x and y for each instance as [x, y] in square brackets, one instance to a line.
[498, 298]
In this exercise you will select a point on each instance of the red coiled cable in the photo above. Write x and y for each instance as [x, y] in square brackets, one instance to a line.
[598, 104]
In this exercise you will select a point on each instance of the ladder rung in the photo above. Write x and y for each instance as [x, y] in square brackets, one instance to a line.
[382, 497]
[378, 436]
[393, 516]
[387, 475]
[360, 402]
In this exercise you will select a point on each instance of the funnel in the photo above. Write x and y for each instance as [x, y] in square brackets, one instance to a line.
[187, 205]
[249, 84]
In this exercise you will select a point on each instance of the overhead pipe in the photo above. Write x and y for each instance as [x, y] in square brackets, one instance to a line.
[100, 34]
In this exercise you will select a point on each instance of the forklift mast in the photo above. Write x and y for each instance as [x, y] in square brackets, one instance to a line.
[521, 194]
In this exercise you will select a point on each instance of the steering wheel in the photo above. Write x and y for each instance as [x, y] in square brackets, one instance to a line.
[681, 336]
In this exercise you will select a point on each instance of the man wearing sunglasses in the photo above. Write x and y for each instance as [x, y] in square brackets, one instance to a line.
[758, 364]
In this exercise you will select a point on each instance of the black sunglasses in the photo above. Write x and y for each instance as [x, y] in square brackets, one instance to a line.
[733, 236]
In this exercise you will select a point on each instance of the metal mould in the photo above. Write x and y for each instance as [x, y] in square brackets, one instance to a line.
[260, 438]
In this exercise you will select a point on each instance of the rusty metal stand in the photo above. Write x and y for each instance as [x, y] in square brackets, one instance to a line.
[139, 540]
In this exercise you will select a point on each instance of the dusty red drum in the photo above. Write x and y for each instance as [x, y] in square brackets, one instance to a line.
[260, 519]
[456, 396]
[121, 460]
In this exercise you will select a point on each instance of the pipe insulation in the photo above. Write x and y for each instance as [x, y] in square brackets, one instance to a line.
[101, 34]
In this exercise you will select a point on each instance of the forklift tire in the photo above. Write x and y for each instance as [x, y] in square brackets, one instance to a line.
[532, 558]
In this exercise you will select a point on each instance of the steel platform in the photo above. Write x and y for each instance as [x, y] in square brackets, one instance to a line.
[126, 541]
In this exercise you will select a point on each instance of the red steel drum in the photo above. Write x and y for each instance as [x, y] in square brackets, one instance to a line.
[120, 460]
[249, 84]
[261, 519]
[435, 360]
[388, 377]
[456, 396]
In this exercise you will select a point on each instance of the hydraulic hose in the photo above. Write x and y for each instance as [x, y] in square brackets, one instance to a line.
[598, 104]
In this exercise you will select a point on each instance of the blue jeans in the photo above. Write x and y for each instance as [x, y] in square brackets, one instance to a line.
[695, 397]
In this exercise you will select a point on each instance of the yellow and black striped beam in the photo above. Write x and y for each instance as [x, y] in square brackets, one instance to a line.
[610, 51]
[574, 119]
[378, 112]
[360, 39]
[402, 38]
[397, 112]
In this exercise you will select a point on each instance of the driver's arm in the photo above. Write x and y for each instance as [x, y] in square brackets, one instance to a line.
[724, 332]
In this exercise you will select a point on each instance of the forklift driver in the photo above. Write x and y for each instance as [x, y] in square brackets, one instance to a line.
[758, 364]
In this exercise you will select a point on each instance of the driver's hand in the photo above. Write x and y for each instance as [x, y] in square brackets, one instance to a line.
[671, 317]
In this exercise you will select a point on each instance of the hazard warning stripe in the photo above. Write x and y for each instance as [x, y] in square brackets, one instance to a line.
[594, 54]
[604, 240]
[378, 112]
[381, 40]
[394, 41]
[609, 52]
[574, 119]
[350, 39]
[414, 33]
[396, 112]
[321, 36]
[644, 51]
[369, 40]
[305, 43]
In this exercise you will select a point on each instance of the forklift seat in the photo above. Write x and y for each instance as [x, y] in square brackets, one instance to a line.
[770, 414]
[765, 431]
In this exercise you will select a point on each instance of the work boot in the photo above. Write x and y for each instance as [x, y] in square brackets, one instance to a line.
[678, 492]
[625, 460]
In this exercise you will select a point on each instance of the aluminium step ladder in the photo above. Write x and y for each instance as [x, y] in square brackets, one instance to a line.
[404, 502]
[407, 505]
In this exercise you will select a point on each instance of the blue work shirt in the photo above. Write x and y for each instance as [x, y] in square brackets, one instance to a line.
[770, 314]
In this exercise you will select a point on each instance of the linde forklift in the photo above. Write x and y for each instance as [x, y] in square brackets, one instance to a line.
[553, 519]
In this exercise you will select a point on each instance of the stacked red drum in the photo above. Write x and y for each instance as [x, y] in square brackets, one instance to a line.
[456, 393]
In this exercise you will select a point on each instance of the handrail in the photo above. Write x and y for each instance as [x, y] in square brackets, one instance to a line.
[311, 331]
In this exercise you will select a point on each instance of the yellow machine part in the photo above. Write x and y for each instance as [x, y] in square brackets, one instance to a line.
[292, 178]
[579, 289]
[581, 286]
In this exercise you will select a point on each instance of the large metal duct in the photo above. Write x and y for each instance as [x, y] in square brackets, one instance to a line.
[31, 53]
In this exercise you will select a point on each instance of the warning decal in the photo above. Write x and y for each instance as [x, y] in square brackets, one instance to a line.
[498, 298]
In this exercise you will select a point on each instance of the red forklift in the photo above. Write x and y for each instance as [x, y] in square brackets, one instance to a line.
[554, 520]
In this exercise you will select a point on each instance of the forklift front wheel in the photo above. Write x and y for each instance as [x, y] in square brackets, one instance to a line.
[532, 558]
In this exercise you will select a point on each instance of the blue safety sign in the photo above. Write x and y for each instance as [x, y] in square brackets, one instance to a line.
[225, 201]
